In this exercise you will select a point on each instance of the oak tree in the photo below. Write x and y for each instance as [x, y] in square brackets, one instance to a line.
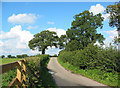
[83, 30]
[42, 40]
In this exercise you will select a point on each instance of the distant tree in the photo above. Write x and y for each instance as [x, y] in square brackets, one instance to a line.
[9, 56]
[2, 56]
[24, 55]
[55, 55]
[13, 57]
[42, 40]
[19, 56]
[83, 30]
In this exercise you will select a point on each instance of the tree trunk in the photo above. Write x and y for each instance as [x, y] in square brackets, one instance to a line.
[43, 51]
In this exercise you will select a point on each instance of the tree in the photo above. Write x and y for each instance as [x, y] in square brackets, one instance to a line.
[62, 41]
[19, 56]
[42, 40]
[114, 19]
[116, 40]
[73, 45]
[84, 28]
[9, 56]
[2, 56]
[24, 55]
[13, 57]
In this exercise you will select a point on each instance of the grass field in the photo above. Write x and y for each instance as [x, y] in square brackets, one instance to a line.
[9, 60]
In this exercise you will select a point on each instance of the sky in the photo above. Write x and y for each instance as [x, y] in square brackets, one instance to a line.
[21, 20]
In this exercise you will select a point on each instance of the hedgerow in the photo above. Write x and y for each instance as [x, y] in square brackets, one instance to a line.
[37, 72]
[93, 57]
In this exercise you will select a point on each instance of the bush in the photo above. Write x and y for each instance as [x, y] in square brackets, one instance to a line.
[93, 57]
[38, 75]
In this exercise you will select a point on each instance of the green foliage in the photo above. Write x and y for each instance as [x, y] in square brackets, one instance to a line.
[22, 56]
[114, 11]
[38, 75]
[83, 31]
[73, 45]
[110, 78]
[7, 77]
[62, 41]
[100, 64]
[2, 56]
[42, 40]
[93, 57]
[114, 18]
[9, 56]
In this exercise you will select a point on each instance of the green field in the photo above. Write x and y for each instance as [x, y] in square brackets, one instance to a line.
[10, 60]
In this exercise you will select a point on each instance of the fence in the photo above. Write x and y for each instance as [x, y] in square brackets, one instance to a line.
[21, 68]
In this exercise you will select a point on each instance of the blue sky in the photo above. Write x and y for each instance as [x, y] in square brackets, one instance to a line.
[21, 20]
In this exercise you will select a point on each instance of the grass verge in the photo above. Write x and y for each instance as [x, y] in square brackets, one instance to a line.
[109, 79]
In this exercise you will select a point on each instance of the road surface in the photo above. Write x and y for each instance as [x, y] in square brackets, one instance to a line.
[63, 77]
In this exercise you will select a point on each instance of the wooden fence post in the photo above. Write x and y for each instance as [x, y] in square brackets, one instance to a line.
[19, 74]
[24, 73]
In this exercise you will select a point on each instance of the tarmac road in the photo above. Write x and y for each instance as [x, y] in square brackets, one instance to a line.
[64, 78]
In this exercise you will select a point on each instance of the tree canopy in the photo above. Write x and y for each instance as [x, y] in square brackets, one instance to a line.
[42, 40]
[114, 11]
[114, 19]
[83, 30]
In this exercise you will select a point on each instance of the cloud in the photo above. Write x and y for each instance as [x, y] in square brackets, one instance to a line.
[58, 31]
[1, 43]
[22, 18]
[15, 41]
[32, 27]
[51, 22]
[99, 9]
[111, 33]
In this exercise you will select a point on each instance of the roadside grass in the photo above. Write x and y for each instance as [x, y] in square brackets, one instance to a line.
[110, 79]
[9, 60]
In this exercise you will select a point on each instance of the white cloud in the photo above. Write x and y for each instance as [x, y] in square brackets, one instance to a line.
[99, 9]
[112, 33]
[58, 31]
[51, 22]
[32, 27]
[22, 18]
[1, 43]
[15, 41]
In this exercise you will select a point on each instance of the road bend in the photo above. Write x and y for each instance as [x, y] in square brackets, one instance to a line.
[65, 78]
